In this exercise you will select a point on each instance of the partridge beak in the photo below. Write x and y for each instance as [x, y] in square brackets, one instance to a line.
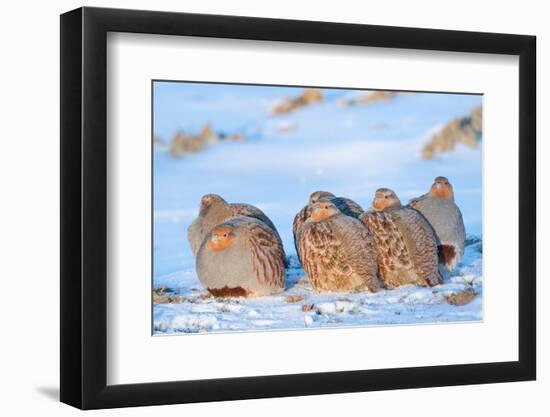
[438, 185]
[215, 238]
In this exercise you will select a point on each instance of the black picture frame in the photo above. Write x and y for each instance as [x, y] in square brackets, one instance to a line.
[84, 207]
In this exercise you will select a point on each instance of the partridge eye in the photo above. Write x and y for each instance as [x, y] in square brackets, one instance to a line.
[225, 235]
[386, 197]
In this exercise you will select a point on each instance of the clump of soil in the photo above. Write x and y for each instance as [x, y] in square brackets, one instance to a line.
[461, 298]
[307, 307]
[475, 242]
[204, 296]
[372, 97]
[308, 97]
[164, 295]
[472, 240]
[465, 130]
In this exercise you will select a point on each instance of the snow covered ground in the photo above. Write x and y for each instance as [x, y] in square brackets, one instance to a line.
[349, 151]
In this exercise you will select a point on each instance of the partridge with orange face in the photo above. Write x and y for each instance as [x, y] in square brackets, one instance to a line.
[338, 252]
[345, 205]
[215, 210]
[241, 257]
[438, 206]
[406, 243]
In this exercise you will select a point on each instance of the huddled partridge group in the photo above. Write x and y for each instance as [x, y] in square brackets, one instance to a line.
[341, 246]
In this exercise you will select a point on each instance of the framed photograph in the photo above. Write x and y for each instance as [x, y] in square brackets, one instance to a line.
[257, 208]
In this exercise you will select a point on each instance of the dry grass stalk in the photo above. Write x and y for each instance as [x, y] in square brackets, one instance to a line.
[372, 97]
[308, 96]
[465, 130]
[208, 135]
[294, 299]
[167, 299]
[182, 143]
[161, 296]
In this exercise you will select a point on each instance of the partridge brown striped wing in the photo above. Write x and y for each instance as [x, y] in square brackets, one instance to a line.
[393, 255]
[299, 221]
[248, 210]
[267, 255]
[348, 206]
[251, 211]
[421, 242]
[359, 251]
[322, 254]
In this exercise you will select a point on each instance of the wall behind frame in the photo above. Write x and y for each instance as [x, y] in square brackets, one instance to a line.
[29, 168]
